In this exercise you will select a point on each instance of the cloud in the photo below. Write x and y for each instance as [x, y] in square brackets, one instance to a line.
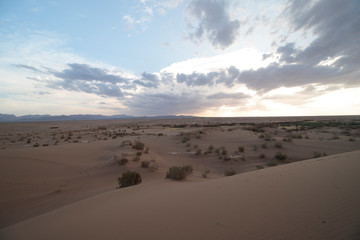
[34, 69]
[222, 95]
[84, 78]
[165, 103]
[213, 22]
[148, 80]
[335, 25]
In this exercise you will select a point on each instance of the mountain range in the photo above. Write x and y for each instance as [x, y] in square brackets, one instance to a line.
[77, 117]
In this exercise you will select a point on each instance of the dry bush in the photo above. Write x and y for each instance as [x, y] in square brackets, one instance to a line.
[179, 173]
[129, 179]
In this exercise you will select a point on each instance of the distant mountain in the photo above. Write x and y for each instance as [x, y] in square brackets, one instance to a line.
[78, 117]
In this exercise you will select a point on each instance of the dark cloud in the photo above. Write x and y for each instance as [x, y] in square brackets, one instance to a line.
[336, 25]
[85, 72]
[213, 22]
[84, 78]
[148, 80]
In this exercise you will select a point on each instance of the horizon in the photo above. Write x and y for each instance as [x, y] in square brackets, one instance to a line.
[203, 58]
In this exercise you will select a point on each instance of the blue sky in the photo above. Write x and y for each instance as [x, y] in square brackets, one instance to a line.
[199, 57]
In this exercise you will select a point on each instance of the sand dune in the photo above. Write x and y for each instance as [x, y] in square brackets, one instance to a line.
[312, 199]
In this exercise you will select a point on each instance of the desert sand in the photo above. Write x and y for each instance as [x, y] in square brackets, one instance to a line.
[62, 183]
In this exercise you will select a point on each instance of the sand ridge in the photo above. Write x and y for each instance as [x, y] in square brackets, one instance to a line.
[313, 199]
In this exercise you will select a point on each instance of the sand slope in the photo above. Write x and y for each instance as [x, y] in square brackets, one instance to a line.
[313, 199]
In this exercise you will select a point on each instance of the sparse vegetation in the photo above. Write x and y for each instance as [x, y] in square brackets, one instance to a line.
[179, 173]
[262, 156]
[229, 172]
[129, 179]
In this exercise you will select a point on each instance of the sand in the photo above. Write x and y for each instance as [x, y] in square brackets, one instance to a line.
[68, 190]
[314, 199]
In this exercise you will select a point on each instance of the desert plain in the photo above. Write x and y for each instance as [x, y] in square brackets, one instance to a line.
[292, 178]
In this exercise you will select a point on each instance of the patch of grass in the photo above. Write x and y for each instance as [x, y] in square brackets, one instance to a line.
[229, 172]
[129, 179]
[179, 173]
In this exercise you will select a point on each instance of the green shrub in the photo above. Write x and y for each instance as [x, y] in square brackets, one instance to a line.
[129, 179]
[145, 164]
[179, 173]
[280, 156]
[138, 145]
[229, 172]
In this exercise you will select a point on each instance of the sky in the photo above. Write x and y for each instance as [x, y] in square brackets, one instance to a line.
[211, 58]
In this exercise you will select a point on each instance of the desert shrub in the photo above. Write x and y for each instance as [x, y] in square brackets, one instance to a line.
[229, 172]
[278, 145]
[316, 154]
[259, 167]
[136, 159]
[145, 164]
[138, 145]
[153, 166]
[267, 137]
[241, 149]
[198, 152]
[138, 154]
[146, 150]
[123, 161]
[255, 148]
[129, 179]
[205, 173]
[264, 145]
[280, 156]
[210, 148]
[351, 139]
[224, 152]
[36, 145]
[262, 156]
[185, 139]
[179, 173]
[217, 150]
[227, 158]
